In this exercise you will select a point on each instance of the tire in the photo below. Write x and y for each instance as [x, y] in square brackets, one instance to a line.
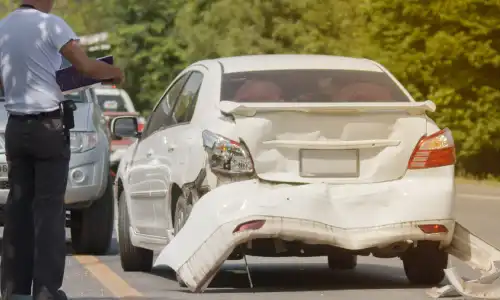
[132, 258]
[92, 227]
[342, 261]
[425, 264]
[182, 211]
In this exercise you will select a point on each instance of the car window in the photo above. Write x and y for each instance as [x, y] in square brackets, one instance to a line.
[112, 103]
[311, 86]
[161, 116]
[187, 98]
[2, 95]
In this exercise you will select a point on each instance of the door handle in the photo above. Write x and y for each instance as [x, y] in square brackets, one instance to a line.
[150, 153]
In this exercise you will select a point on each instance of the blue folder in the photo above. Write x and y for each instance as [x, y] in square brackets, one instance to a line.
[70, 80]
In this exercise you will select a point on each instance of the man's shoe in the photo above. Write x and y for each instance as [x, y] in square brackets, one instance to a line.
[45, 294]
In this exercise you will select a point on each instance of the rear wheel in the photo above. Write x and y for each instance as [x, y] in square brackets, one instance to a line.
[182, 211]
[92, 227]
[133, 259]
[342, 261]
[425, 264]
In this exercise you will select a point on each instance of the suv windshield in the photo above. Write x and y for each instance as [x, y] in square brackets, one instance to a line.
[111, 103]
[310, 86]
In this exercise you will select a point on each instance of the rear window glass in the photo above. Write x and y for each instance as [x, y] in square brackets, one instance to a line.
[111, 103]
[310, 86]
[77, 97]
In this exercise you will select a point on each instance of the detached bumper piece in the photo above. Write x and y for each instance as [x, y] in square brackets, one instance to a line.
[477, 254]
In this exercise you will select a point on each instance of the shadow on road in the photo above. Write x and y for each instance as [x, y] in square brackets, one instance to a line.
[113, 249]
[279, 277]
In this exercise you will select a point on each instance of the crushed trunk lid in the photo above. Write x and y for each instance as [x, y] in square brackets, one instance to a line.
[330, 142]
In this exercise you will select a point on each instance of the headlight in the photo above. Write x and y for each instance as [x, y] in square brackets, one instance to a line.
[226, 156]
[82, 141]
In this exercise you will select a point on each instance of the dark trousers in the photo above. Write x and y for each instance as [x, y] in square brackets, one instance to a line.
[34, 238]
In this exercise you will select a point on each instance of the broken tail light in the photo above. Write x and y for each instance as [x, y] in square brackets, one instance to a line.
[432, 151]
[226, 156]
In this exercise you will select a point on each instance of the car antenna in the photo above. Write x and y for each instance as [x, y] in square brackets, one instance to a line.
[247, 268]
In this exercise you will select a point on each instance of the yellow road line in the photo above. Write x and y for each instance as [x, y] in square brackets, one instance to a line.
[109, 279]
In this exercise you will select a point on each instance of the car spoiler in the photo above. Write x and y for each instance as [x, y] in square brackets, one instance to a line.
[250, 109]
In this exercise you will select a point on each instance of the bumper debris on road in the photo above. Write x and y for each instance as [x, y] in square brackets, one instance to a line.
[479, 255]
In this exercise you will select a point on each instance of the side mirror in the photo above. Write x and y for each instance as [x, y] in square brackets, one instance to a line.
[125, 127]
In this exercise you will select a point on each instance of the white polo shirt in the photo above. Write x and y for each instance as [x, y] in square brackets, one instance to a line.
[30, 41]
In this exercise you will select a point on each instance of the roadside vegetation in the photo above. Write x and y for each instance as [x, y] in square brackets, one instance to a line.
[444, 50]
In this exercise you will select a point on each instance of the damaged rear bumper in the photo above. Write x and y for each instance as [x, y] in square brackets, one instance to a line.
[197, 271]
[349, 217]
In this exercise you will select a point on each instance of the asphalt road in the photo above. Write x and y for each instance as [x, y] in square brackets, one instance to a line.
[89, 277]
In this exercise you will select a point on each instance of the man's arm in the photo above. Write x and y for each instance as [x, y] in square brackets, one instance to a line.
[89, 67]
[64, 40]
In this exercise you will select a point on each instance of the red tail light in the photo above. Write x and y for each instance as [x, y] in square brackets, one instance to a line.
[432, 151]
[140, 126]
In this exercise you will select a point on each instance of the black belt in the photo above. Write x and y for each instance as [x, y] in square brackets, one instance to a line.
[42, 115]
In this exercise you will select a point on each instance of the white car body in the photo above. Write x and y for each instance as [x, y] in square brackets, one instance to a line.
[358, 193]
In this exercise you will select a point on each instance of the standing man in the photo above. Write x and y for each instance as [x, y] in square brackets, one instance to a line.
[34, 242]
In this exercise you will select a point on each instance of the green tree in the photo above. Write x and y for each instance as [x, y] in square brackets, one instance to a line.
[448, 51]
[144, 45]
[237, 27]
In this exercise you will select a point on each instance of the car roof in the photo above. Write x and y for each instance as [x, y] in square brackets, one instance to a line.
[108, 90]
[266, 62]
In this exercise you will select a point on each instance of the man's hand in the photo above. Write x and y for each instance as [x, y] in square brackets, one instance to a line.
[90, 67]
[119, 77]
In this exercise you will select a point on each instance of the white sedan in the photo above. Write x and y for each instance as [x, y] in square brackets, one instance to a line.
[286, 155]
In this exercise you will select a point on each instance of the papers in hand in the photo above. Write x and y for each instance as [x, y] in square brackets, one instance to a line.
[70, 80]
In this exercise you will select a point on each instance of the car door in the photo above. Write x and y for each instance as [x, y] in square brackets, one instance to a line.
[173, 147]
[143, 171]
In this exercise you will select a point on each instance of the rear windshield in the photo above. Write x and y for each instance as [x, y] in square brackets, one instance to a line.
[111, 103]
[310, 86]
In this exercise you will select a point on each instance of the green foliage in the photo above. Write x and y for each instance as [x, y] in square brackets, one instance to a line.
[236, 27]
[144, 46]
[448, 51]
